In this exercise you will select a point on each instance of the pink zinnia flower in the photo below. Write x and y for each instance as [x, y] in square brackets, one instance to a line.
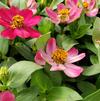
[59, 59]
[32, 5]
[7, 96]
[18, 23]
[89, 6]
[64, 14]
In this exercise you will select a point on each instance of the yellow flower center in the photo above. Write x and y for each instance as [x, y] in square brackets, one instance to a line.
[85, 4]
[63, 14]
[17, 21]
[59, 56]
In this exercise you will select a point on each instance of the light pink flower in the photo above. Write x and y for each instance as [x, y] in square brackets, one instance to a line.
[32, 5]
[7, 96]
[18, 23]
[64, 14]
[89, 6]
[60, 59]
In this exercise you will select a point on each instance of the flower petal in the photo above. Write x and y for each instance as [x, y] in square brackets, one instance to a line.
[33, 21]
[72, 52]
[52, 15]
[7, 96]
[74, 14]
[22, 33]
[75, 58]
[33, 33]
[73, 70]
[57, 67]
[61, 6]
[27, 14]
[8, 33]
[92, 13]
[39, 59]
[51, 46]
[92, 4]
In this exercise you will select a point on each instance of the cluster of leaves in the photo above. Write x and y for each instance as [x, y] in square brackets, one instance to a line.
[32, 82]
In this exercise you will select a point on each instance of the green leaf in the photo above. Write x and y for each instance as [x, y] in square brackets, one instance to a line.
[20, 71]
[42, 41]
[93, 97]
[42, 26]
[41, 81]
[94, 59]
[27, 94]
[81, 31]
[92, 70]
[19, 3]
[4, 45]
[68, 43]
[96, 30]
[86, 88]
[24, 51]
[3, 5]
[63, 94]
[55, 3]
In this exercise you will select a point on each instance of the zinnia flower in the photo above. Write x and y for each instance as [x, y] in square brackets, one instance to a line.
[18, 23]
[32, 5]
[7, 96]
[60, 59]
[64, 14]
[89, 6]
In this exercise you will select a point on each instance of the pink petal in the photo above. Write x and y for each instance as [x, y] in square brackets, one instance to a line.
[4, 23]
[8, 33]
[27, 14]
[92, 4]
[47, 58]
[74, 14]
[7, 96]
[22, 33]
[61, 6]
[33, 33]
[5, 14]
[52, 15]
[39, 59]
[58, 67]
[51, 46]
[14, 11]
[75, 58]
[73, 70]
[71, 3]
[93, 12]
[72, 52]
[33, 21]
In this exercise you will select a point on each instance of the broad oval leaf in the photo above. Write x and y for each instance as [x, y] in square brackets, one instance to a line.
[93, 97]
[20, 71]
[63, 94]
[92, 70]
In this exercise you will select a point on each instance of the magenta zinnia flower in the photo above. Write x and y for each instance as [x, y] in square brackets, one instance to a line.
[18, 23]
[64, 14]
[59, 59]
[7, 96]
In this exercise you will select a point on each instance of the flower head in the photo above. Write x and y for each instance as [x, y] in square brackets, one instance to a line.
[18, 23]
[7, 96]
[60, 59]
[89, 6]
[64, 14]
